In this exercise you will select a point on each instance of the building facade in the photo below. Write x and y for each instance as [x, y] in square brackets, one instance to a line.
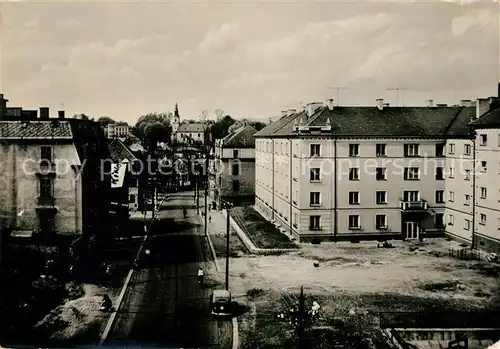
[380, 172]
[51, 175]
[187, 133]
[233, 170]
[117, 130]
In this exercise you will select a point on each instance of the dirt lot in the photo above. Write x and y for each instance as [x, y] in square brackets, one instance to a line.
[355, 281]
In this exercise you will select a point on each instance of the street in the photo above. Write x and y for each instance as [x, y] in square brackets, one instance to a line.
[164, 304]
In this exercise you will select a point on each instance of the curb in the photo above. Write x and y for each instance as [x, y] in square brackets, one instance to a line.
[211, 245]
[236, 338]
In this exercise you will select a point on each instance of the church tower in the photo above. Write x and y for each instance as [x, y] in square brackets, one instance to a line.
[176, 120]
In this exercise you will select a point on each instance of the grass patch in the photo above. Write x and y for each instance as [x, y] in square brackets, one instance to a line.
[236, 248]
[446, 286]
[261, 232]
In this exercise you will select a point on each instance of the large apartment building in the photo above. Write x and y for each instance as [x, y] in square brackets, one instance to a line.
[376, 172]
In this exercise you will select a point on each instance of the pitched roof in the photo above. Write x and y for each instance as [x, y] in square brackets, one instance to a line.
[37, 129]
[370, 121]
[241, 138]
[191, 128]
[120, 151]
[489, 120]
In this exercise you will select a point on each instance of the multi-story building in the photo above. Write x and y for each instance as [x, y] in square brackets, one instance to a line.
[351, 173]
[117, 130]
[234, 166]
[473, 192]
[51, 174]
[189, 133]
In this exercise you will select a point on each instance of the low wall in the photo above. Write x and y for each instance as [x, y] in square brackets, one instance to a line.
[249, 245]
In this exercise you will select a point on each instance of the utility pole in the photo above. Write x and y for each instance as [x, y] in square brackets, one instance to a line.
[228, 231]
[300, 329]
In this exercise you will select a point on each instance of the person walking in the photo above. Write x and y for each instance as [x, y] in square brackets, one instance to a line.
[200, 276]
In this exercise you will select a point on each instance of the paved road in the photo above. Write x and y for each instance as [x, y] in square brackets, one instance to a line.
[164, 305]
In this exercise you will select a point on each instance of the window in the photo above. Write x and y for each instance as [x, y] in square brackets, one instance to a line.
[411, 196]
[483, 140]
[354, 198]
[381, 221]
[439, 150]
[451, 219]
[235, 153]
[235, 170]
[314, 175]
[482, 219]
[131, 198]
[314, 198]
[354, 222]
[467, 175]
[439, 173]
[467, 200]
[499, 223]
[467, 149]
[380, 150]
[439, 196]
[483, 193]
[411, 173]
[483, 166]
[452, 172]
[381, 174]
[46, 222]
[46, 188]
[467, 224]
[315, 150]
[451, 148]
[236, 185]
[354, 174]
[439, 220]
[295, 220]
[314, 222]
[46, 154]
[452, 196]
[411, 149]
[353, 150]
[381, 197]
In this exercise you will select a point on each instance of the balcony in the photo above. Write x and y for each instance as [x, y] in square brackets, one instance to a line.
[44, 202]
[413, 206]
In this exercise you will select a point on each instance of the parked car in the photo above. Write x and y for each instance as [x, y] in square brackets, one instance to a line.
[221, 303]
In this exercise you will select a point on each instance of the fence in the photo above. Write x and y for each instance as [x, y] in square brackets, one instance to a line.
[430, 320]
[466, 254]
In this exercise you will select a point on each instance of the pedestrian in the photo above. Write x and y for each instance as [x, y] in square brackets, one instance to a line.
[210, 219]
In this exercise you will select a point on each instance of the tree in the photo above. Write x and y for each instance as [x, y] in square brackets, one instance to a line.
[161, 119]
[221, 128]
[105, 120]
[82, 117]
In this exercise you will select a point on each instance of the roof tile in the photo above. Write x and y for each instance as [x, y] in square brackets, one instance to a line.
[38, 129]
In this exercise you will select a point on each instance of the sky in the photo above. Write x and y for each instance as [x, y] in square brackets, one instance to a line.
[251, 59]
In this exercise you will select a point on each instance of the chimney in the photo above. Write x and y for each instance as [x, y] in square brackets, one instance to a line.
[465, 102]
[498, 91]
[430, 103]
[387, 104]
[482, 107]
[3, 107]
[291, 112]
[61, 114]
[380, 103]
[284, 113]
[329, 104]
[312, 107]
[44, 113]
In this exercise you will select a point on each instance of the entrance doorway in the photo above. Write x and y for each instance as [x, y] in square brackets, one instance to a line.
[411, 230]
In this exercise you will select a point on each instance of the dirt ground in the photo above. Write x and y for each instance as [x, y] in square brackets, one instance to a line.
[361, 278]
[79, 318]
